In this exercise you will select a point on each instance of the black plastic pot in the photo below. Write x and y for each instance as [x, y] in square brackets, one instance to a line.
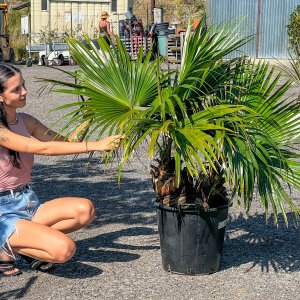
[191, 239]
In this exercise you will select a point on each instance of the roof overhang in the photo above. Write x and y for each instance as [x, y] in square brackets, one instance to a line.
[21, 6]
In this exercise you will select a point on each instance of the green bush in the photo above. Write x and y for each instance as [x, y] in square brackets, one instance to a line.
[293, 30]
[18, 41]
[19, 46]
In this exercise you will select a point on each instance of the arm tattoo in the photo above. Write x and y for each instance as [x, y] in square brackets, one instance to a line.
[3, 137]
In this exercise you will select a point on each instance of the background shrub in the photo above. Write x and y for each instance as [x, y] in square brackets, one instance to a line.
[293, 30]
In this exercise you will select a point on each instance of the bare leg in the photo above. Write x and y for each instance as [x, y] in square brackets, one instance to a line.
[66, 214]
[48, 241]
[41, 242]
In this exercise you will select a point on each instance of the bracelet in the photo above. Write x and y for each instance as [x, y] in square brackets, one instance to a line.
[86, 147]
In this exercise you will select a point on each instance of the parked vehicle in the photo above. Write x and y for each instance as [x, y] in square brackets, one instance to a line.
[57, 54]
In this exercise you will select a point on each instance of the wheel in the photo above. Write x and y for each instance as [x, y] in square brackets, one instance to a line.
[57, 62]
[72, 62]
[61, 57]
[29, 62]
[42, 61]
[12, 55]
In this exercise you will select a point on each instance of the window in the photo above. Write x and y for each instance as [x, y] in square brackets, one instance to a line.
[113, 5]
[44, 4]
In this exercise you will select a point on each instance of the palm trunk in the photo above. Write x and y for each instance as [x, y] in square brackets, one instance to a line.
[207, 191]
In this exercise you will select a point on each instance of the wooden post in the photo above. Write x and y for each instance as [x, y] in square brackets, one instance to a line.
[152, 5]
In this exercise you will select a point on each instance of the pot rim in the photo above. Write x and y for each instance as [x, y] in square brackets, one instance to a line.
[190, 208]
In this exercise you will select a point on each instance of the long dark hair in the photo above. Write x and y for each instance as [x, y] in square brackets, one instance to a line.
[6, 72]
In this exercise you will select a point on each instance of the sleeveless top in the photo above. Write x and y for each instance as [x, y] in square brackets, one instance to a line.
[11, 177]
[103, 28]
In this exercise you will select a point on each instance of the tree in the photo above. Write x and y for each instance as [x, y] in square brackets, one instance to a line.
[293, 30]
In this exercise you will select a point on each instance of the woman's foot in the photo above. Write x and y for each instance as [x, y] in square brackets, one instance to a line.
[8, 268]
[39, 265]
[7, 265]
[42, 265]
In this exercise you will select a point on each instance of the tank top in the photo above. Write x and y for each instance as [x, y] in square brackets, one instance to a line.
[103, 28]
[10, 176]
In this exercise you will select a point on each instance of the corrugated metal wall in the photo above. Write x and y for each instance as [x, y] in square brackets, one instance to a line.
[267, 19]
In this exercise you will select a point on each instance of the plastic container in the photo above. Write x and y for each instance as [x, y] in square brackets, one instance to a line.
[191, 240]
[162, 41]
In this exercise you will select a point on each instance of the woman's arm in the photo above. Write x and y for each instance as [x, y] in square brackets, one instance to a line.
[19, 143]
[42, 133]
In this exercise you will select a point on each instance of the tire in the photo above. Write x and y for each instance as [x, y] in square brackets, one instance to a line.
[29, 62]
[42, 61]
[12, 55]
[61, 57]
[57, 62]
[72, 62]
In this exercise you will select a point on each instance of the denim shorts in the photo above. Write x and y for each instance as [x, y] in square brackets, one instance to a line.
[14, 207]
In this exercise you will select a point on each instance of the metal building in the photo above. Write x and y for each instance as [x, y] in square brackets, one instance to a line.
[74, 17]
[267, 20]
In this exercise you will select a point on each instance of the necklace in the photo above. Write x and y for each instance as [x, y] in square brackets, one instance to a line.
[15, 122]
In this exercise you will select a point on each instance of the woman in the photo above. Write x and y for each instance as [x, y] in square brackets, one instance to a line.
[38, 232]
[104, 27]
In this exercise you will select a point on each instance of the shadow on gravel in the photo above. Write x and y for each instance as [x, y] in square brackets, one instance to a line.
[76, 270]
[128, 203]
[21, 292]
[95, 248]
[251, 241]
[72, 269]
[248, 241]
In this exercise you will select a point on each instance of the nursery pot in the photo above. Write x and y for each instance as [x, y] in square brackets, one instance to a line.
[191, 240]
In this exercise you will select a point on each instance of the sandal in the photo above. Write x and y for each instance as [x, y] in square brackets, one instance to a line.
[6, 268]
[38, 265]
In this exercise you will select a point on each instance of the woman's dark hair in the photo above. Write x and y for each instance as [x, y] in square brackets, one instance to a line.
[6, 72]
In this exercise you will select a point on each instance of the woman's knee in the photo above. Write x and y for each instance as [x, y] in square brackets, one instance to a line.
[63, 250]
[85, 211]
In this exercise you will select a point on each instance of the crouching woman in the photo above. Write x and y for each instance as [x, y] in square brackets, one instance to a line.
[36, 232]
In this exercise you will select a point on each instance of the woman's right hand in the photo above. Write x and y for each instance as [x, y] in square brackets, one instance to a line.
[107, 144]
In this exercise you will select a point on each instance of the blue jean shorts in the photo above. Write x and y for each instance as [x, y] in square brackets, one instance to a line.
[14, 207]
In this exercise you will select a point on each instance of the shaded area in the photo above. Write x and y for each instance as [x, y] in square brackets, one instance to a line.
[110, 240]
[252, 241]
[20, 292]
[76, 270]
[248, 240]
[128, 203]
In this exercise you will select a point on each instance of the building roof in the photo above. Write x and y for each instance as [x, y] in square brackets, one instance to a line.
[21, 6]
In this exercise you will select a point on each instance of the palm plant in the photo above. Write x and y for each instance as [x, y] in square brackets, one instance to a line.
[212, 126]
[290, 68]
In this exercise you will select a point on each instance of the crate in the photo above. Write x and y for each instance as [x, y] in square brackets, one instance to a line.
[174, 48]
[134, 43]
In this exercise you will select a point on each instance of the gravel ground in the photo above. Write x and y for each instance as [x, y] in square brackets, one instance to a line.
[118, 255]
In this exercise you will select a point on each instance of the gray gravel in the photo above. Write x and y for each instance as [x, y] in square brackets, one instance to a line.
[118, 256]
